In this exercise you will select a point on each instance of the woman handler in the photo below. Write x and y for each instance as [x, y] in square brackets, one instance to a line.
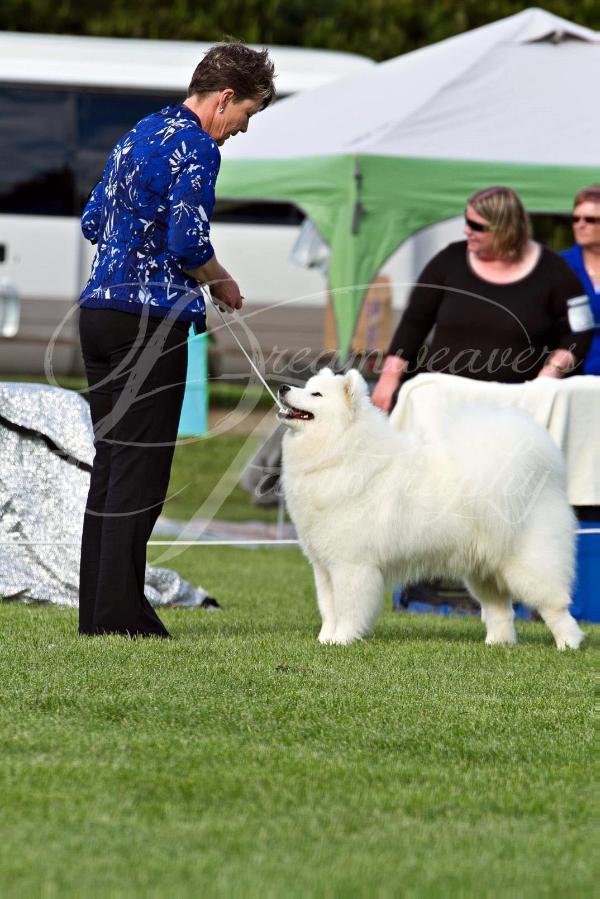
[150, 216]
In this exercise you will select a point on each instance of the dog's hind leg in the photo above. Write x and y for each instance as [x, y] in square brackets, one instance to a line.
[565, 630]
[544, 592]
[358, 600]
[496, 611]
[541, 572]
[325, 603]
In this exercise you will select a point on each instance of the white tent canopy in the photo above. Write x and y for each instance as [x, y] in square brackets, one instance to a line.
[490, 93]
[377, 156]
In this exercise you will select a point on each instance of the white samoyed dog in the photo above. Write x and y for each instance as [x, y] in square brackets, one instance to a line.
[482, 500]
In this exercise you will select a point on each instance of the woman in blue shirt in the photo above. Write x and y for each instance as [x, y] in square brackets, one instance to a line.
[584, 259]
[150, 218]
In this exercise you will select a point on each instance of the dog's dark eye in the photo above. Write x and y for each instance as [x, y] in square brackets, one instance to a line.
[316, 394]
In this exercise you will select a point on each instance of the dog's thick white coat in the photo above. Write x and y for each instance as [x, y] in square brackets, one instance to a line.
[482, 500]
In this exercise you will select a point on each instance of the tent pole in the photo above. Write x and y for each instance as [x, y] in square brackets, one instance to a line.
[359, 209]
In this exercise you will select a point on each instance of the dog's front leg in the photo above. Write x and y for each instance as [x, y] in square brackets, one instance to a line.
[325, 603]
[358, 599]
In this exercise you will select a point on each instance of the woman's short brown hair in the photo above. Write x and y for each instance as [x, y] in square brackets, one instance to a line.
[249, 73]
[503, 209]
[589, 194]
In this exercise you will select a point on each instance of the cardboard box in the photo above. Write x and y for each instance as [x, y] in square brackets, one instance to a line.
[374, 328]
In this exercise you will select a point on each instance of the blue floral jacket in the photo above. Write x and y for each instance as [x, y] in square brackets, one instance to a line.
[150, 216]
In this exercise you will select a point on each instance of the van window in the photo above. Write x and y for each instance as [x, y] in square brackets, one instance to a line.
[255, 212]
[55, 143]
[36, 151]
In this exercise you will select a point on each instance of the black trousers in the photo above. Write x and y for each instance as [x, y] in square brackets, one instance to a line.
[136, 369]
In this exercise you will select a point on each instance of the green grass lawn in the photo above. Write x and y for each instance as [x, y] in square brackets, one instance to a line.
[204, 480]
[243, 759]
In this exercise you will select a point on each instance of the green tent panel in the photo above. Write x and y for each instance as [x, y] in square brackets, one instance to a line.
[399, 197]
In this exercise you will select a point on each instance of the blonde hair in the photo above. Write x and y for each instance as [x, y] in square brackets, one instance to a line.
[589, 194]
[511, 227]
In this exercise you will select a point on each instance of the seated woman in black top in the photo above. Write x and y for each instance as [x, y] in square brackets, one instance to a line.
[503, 307]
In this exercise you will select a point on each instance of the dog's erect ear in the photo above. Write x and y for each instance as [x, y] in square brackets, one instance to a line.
[327, 372]
[355, 387]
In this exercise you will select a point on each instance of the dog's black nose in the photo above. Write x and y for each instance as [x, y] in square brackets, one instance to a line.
[284, 389]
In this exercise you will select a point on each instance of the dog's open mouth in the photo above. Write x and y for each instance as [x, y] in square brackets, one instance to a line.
[288, 412]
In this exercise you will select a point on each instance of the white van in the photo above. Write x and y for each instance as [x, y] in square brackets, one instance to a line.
[64, 102]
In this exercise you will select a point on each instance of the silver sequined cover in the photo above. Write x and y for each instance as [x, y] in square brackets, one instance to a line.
[46, 450]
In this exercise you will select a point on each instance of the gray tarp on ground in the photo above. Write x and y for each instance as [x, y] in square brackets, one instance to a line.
[46, 453]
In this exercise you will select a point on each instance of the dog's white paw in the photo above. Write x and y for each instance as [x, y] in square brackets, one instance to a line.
[501, 638]
[566, 631]
[343, 637]
[326, 633]
[325, 637]
[571, 641]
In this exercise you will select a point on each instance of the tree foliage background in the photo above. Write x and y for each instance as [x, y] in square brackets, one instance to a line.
[377, 28]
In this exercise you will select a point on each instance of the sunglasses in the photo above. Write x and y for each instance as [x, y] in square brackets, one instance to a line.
[478, 226]
[588, 219]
